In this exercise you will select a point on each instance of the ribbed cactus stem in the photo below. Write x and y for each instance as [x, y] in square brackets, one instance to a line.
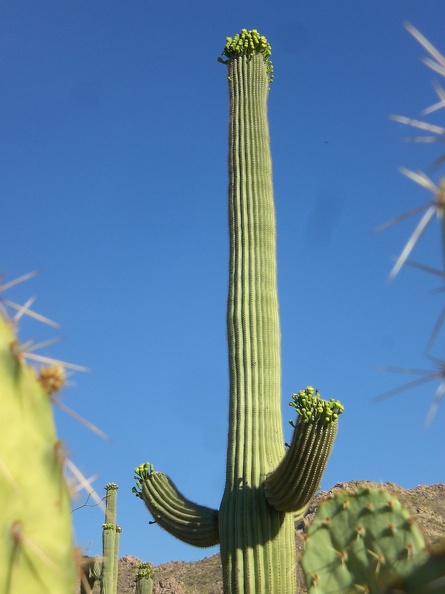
[117, 538]
[291, 485]
[192, 523]
[263, 484]
[110, 542]
[257, 541]
[252, 309]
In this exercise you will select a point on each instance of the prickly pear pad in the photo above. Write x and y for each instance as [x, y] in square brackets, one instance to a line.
[427, 577]
[36, 552]
[360, 542]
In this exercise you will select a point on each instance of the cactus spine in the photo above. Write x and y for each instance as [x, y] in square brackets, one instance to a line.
[264, 485]
[36, 543]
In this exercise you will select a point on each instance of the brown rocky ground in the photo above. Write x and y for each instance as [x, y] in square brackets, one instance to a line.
[425, 503]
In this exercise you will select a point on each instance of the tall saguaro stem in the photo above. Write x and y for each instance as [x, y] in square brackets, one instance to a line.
[110, 538]
[265, 485]
[256, 441]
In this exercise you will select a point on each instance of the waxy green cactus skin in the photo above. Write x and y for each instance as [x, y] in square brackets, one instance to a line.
[36, 541]
[361, 542]
[255, 522]
[104, 569]
[110, 542]
[428, 577]
[194, 524]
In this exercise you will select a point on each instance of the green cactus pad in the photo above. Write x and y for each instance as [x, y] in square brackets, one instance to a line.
[36, 548]
[360, 543]
[428, 577]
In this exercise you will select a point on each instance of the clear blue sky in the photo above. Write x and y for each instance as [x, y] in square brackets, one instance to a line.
[113, 177]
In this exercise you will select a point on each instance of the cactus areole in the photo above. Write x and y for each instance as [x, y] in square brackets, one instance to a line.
[266, 486]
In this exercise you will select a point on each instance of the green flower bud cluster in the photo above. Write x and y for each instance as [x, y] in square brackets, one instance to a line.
[248, 43]
[111, 487]
[311, 407]
[145, 570]
[142, 473]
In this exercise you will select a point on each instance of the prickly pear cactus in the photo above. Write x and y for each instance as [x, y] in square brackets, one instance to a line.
[361, 543]
[429, 577]
[36, 544]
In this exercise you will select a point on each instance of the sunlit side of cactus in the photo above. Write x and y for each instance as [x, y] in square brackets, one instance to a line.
[36, 541]
[265, 485]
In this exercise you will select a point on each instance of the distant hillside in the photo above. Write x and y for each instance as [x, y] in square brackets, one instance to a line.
[425, 503]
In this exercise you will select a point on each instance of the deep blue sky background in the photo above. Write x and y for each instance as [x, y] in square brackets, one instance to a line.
[113, 131]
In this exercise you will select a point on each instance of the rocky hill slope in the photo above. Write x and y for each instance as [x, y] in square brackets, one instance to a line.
[426, 505]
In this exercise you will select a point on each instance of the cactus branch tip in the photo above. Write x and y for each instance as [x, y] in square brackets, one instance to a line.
[142, 472]
[111, 487]
[311, 407]
[145, 570]
[247, 43]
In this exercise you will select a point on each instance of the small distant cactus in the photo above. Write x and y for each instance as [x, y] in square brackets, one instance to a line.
[110, 542]
[104, 569]
[144, 579]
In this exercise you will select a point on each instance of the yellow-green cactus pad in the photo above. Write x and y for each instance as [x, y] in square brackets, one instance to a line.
[36, 554]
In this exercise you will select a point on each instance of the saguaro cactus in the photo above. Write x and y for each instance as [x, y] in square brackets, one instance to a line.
[104, 569]
[265, 485]
[36, 553]
[144, 579]
[110, 539]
